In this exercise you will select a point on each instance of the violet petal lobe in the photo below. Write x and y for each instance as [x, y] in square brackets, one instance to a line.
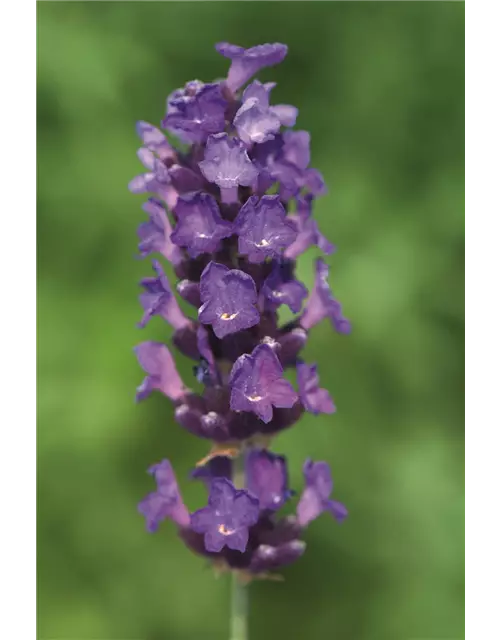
[226, 162]
[259, 92]
[308, 232]
[200, 227]
[315, 498]
[159, 300]
[154, 235]
[255, 124]
[257, 384]
[262, 228]
[228, 302]
[278, 289]
[245, 63]
[211, 279]
[296, 148]
[227, 517]
[156, 180]
[155, 140]
[166, 501]
[322, 304]
[286, 114]
[267, 478]
[157, 362]
[314, 399]
[196, 112]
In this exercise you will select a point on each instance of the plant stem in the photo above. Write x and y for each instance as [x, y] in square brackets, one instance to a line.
[239, 592]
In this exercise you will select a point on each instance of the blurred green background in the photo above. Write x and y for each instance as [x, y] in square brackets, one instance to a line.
[380, 86]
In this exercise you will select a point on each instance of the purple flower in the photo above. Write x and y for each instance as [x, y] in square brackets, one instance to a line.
[155, 140]
[233, 248]
[226, 163]
[156, 180]
[200, 227]
[308, 232]
[159, 300]
[228, 300]
[285, 158]
[322, 304]
[263, 229]
[296, 148]
[247, 62]
[154, 235]
[227, 518]
[166, 501]
[285, 113]
[257, 384]
[157, 362]
[314, 399]
[151, 180]
[255, 124]
[195, 112]
[279, 289]
[255, 121]
[316, 496]
[267, 478]
[296, 156]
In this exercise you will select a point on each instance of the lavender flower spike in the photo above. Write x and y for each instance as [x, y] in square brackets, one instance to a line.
[233, 250]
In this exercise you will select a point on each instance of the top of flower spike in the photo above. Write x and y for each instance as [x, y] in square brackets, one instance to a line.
[245, 63]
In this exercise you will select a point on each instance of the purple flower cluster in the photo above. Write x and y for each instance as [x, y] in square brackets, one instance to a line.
[231, 214]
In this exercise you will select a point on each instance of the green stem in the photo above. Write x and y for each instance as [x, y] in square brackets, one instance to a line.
[239, 592]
